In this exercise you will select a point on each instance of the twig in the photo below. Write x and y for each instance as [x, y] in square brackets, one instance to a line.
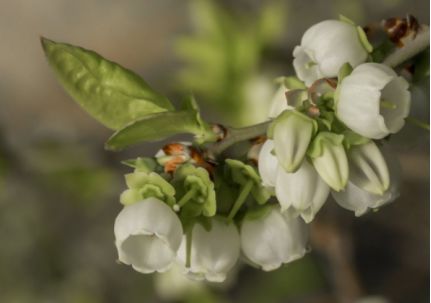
[410, 49]
[235, 135]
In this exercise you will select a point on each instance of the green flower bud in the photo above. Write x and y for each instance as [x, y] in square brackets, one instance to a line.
[242, 173]
[144, 185]
[195, 187]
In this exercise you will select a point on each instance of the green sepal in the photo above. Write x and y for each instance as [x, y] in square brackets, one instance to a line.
[191, 210]
[259, 212]
[285, 115]
[188, 177]
[297, 97]
[326, 119]
[381, 51]
[205, 222]
[345, 70]
[291, 82]
[242, 173]
[351, 139]
[364, 40]
[111, 94]
[161, 126]
[142, 164]
[144, 185]
[316, 147]
[347, 20]
[226, 193]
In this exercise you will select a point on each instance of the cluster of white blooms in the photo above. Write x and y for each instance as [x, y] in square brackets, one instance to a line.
[182, 209]
[247, 194]
[321, 140]
[153, 232]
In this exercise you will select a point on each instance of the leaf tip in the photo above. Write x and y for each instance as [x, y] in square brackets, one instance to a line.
[46, 43]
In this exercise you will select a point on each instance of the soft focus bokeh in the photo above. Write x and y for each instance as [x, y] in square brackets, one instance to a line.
[59, 189]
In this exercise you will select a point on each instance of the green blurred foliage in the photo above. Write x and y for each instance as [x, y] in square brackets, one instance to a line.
[224, 54]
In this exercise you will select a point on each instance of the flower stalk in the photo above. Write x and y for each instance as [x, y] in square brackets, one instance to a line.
[186, 198]
[245, 191]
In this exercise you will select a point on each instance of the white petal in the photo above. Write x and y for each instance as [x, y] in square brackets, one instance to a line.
[368, 169]
[265, 241]
[299, 237]
[278, 102]
[274, 239]
[292, 136]
[213, 253]
[267, 164]
[305, 67]
[303, 190]
[360, 201]
[144, 229]
[397, 93]
[332, 167]
[321, 44]
[360, 97]
[146, 253]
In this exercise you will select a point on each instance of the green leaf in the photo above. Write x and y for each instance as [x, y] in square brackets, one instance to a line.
[271, 21]
[161, 126]
[110, 93]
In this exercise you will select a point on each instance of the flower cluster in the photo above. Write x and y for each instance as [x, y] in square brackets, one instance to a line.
[322, 139]
[203, 211]
[169, 217]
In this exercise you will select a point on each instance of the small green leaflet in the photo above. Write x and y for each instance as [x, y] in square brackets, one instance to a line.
[113, 95]
[163, 125]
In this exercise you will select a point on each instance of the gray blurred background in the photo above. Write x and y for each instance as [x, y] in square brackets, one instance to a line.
[59, 189]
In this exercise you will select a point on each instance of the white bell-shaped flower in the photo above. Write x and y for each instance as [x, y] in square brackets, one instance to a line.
[373, 101]
[214, 252]
[292, 132]
[148, 235]
[268, 164]
[324, 48]
[273, 239]
[368, 169]
[361, 201]
[302, 192]
[330, 160]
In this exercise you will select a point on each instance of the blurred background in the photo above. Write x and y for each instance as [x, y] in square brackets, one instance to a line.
[59, 189]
